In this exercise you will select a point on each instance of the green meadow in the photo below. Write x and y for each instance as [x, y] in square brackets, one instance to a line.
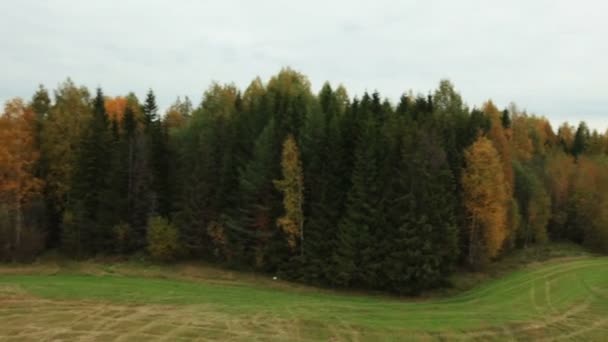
[559, 299]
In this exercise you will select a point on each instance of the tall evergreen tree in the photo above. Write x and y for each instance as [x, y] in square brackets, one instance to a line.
[89, 200]
[581, 139]
[252, 223]
[157, 157]
[354, 258]
[325, 187]
[420, 245]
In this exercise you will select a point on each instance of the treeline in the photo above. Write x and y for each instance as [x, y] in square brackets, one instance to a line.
[320, 188]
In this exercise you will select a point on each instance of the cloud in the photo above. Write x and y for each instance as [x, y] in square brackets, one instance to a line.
[548, 56]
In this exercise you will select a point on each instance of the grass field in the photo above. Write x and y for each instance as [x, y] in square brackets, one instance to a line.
[559, 299]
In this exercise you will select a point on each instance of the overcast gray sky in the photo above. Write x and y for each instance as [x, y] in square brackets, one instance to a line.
[550, 57]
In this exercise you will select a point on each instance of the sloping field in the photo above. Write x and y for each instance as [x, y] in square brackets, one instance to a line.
[556, 300]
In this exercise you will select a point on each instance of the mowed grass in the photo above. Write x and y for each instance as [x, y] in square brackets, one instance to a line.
[557, 299]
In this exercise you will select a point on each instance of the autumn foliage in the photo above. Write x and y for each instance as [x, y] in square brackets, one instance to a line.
[485, 198]
[292, 187]
[325, 188]
[19, 185]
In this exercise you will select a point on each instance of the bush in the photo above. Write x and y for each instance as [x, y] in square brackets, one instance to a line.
[162, 239]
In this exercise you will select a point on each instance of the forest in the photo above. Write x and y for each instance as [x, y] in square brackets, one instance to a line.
[323, 188]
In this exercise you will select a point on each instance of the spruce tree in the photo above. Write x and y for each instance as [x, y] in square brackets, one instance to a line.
[157, 155]
[325, 186]
[581, 139]
[354, 257]
[421, 242]
[90, 199]
[252, 223]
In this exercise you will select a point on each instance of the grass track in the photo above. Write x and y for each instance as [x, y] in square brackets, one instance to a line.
[556, 300]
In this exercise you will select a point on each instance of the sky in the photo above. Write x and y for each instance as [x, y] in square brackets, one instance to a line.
[549, 57]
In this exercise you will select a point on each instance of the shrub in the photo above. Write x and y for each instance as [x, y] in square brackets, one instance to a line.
[162, 239]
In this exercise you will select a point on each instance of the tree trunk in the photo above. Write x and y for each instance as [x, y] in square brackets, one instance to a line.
[471, 241]
[301, 212]
[130, 191]
[18, 225]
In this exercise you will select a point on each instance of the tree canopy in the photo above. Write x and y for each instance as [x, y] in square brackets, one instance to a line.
[323, 188]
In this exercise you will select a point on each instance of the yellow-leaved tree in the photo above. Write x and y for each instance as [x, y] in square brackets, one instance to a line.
[292, 187]
[61, 137]
[499, 136]
[486, 200]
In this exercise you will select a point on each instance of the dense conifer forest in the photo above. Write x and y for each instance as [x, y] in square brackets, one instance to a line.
[326, 189]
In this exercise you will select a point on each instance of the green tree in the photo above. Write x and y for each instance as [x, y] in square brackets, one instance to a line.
[325, 163]
[421, 246]
[581, 139]
[353, 254]
[62, 132]
[252, 223]
[207, 154]
[90, 198]
[534, 206]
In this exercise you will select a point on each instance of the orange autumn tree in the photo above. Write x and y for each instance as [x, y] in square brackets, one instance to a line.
[498, 137]
[18, 157]
[115, 107]
[485, 199]
[498, 134]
